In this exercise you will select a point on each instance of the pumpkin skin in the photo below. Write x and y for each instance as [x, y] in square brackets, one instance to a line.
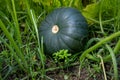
[64, 28]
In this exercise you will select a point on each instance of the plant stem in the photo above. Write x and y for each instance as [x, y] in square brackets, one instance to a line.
[117, 47]
[100, 17]
[103, 67]
[114, 62]
[86, 52]
[116, 51]
[61, 67]
[103, 22]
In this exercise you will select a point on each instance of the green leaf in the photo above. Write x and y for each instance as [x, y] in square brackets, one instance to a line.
[91, 11]
[61, 55]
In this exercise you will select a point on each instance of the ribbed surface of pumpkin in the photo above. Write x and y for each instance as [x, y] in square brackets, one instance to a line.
[64, 28]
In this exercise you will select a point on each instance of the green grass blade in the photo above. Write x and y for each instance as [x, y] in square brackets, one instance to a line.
[33, 19]
[40, 42]
[16, 23]
[10, 38]
[12, 53]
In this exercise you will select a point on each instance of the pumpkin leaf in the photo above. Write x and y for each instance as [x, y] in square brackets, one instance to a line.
[91, 11]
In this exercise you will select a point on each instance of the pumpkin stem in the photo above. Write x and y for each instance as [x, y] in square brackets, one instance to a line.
[55, 29]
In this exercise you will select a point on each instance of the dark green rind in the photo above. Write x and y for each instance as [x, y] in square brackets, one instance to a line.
[73, 29]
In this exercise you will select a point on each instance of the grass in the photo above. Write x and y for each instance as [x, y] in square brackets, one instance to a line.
[22, 53]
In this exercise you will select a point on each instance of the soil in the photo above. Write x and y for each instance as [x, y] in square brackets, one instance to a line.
[72, 73]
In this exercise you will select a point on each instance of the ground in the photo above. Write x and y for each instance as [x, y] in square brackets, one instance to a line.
[86, 73]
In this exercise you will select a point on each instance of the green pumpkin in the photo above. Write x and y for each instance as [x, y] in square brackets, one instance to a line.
[64, 28]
